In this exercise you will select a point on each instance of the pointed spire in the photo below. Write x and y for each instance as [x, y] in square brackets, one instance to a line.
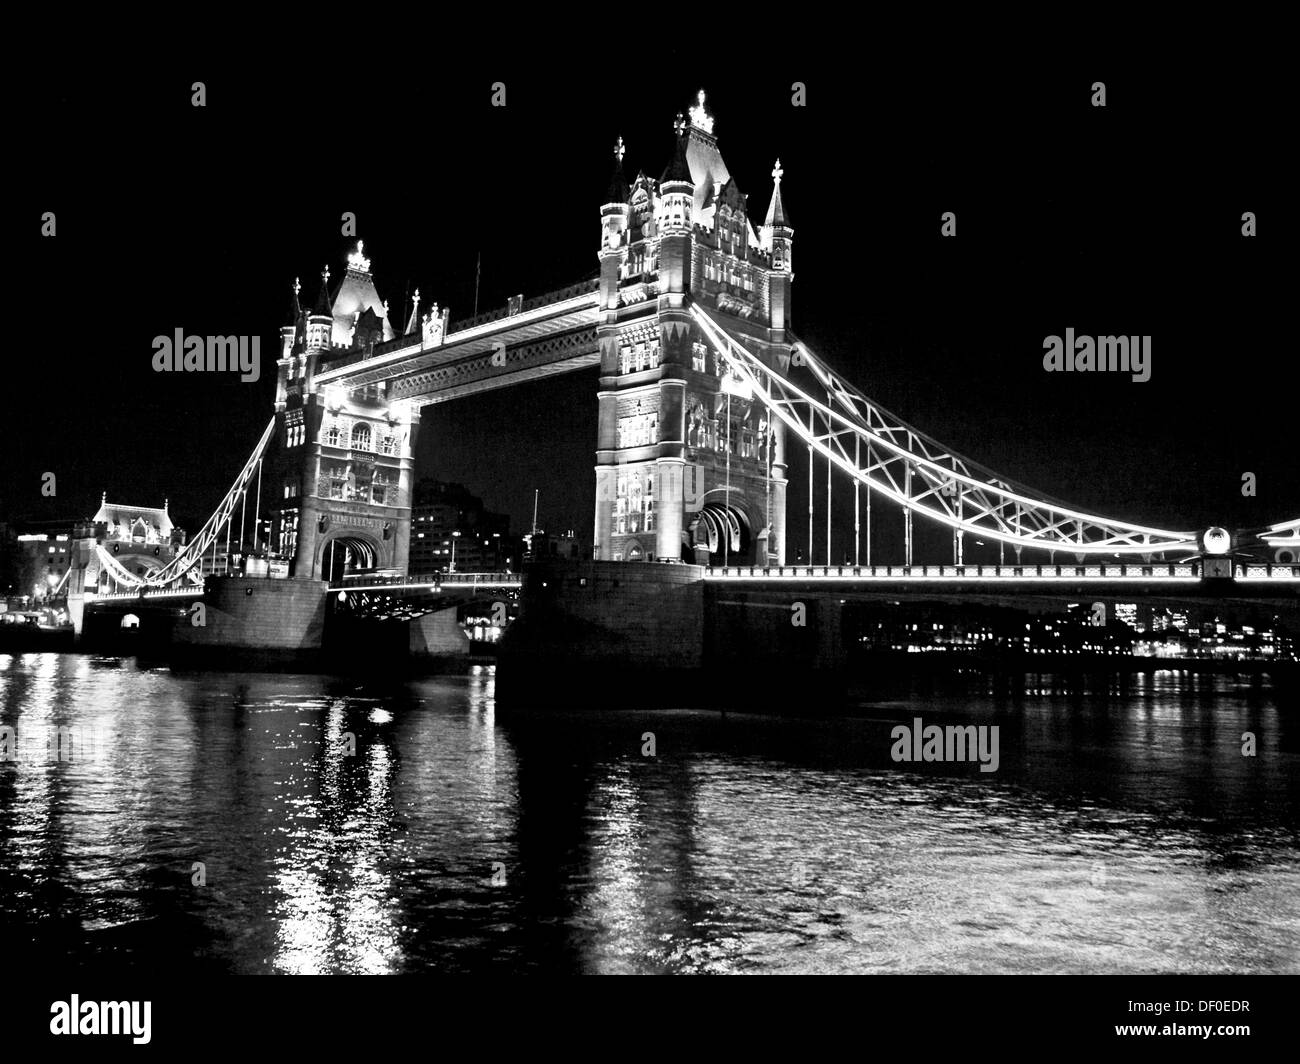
[618, 186]
[323, 300]
[295, 309]
[776, 209]
[413, 322]
[679, 169]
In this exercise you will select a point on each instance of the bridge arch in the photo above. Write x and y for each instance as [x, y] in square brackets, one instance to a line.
[346, 551]
[724, 530]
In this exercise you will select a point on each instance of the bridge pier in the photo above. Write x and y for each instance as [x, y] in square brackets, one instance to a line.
[258, 617]
[438, 638]
[601, 634]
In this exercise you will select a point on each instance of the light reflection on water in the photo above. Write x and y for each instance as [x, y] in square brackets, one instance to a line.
[1124, 831]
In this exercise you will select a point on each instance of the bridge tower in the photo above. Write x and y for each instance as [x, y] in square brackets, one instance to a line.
[688, 465]
[340, 471]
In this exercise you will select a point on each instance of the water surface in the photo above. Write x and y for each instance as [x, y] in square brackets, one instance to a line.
[1123, 831]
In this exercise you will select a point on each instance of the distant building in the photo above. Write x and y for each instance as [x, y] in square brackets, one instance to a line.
[449, 524]
[42, 557]
[566, 544]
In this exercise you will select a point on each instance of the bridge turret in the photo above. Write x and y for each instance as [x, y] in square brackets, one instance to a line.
[289, 330]
[677, 189]
[614, 213]
[676, 200]
[291, 336]
[320, 322]
[776, 239]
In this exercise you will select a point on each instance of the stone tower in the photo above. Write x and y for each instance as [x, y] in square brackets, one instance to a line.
[688, 465]
[340, 474]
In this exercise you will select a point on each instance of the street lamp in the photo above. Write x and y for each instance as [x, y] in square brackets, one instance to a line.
[454, 536]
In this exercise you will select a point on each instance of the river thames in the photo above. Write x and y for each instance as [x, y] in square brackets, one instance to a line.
[206, 823]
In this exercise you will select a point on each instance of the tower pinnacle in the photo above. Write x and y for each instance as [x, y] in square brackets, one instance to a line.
[700, 118]
[775, 209]
[357, 260]
[323, 300]
[618, 187]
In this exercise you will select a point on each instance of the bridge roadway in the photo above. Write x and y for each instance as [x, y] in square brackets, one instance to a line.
[974, 575]
[1176, 580]
[1271, 584]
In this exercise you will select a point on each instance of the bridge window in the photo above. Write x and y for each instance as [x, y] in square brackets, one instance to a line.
[698, 352]
[333, 480]
[638, 430]
[288, 532]
[382, 488]
[388, 446]
[332, 434]
[361, 436]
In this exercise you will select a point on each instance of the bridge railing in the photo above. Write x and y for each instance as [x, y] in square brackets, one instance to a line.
[582, 288]
[393, 578]
[1175, 571]
[476, 580]
[147, 593]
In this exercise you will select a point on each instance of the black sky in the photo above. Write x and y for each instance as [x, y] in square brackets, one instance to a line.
[1117, 220]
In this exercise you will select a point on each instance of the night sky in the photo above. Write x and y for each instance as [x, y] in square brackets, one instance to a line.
[1121, 220]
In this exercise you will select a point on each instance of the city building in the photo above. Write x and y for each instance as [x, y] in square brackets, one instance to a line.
[566, 544]
[42, 558]
[451, 530]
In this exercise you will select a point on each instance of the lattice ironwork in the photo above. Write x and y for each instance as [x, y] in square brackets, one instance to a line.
[921, 475]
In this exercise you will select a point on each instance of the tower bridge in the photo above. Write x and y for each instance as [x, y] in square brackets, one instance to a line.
[705, 395]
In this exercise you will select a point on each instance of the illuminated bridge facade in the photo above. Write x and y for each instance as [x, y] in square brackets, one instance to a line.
[703, 392]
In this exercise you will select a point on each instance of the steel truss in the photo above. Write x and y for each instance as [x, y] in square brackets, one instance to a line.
[183, 566]
[913, 470]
